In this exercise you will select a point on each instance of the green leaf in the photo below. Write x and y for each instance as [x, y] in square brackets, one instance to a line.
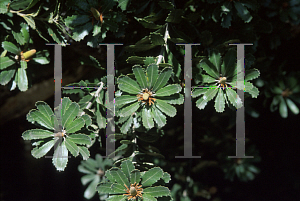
[157, 39]
[30, 21]
[252, 90]
[11, 47]
[101, 120]
[166, 4]
[243, 12]
[91, 189]
[69, 113]
[88, 178]
[128, 85]
[125, 99]
[210, 94]
[168, 90]
[152, 75]
[41, 60]
[75, 20]
[5, 62]
[45, 109]
[147, 118]
[229, 63]
[176, 65]
[175, 16]
[135, 60]
[126, 126]
[283, 108]
[84, 152]
[6, 75]
[3, 8]
[173, 99]
[157, 191]
[109, 176]
[116, 198]
[135, 176]
[36, 134]
[80, 32]
[147, 24]
[166, 177]
[139, 48]
[72, 147]
[215, 59]
[198, 92]
[123, 4]
[129, 110]
[209, 68]
[151, 176]
[127, 167]
[292, 106]
[43, 150]
[201, 103]
[140, 76]
[166, 108]
[159, 118]
[162, 79]
[118, 188]
[147, 197]
[41, 119]
[220, 101]
[80, 139]
[208, 79]
[119, 176]
[251, 74]
[234, 99]
[104, 188]
[75, 125]
[60, 157]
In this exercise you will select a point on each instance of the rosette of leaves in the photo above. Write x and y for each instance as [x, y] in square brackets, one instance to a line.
[243, 168]
[64, 141]
[148, 98]
[94, 170]
[286, 93]
[13, 61]
[221, 77]
[228, 9]
[98, 18]
[128, 183]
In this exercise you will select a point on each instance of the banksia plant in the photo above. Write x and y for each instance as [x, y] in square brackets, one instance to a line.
[148, 98]
[128, 183]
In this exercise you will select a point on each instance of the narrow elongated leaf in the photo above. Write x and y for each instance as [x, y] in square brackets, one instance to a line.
[168, 90]
[11, 47]
[69, 114]
[201, 103]
[173, 99]
[75, 125]
[5, 62]
[292, 106]
[210, 94]
[109, 176]
[175, 16]
[157, 191]
[125, 99]
[147, 118]
[41, 119]
[72, 147]
[30, 21]
[129, 110]
[229, 63]
[128, 85]
[45, 109]
[215, 59]
[162, 79]
[119, 176]
[84, 152]
[243, 12]
[36, 134]
[207, 79]
[148, 197]
[135, 176]
[88, 178]
[127, 167]
[152, 75]
[220, 101]
[80, 139]
[118, 188]
[209, 68]
[234, 99]
[91, 189]
[152, 176]
[101, 121]
[198, 92]
[43, 150]
[251, 74]
[159, 117]
[126, 126]
[166, 108]
[6, 75]
[283, 108]
[117, 198]
[22, 79]
[60, 157]
[253, 91]
[104, 188]
[140, 76]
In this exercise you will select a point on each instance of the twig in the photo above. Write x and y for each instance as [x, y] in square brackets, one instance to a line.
[160, 57]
